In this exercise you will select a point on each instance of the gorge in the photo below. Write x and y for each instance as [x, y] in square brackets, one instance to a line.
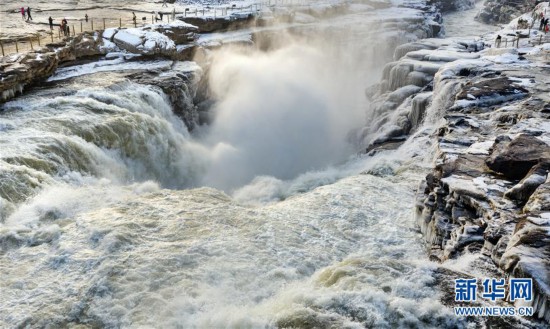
[335, 165]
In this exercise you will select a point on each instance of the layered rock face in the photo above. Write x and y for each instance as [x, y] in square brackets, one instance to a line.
[503, 11]
[180, 84]
[220, 24]
[20, 70]
[489, 192]
[486, 203]
[399, 102]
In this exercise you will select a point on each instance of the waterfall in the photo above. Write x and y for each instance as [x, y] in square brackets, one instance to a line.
[125, 133]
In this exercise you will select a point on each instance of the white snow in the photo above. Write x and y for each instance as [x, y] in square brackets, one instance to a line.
[128, 38]
[524, 82]
[481, 148]
[108, 33]
[460, 183]
[118, 64]
[508, 58]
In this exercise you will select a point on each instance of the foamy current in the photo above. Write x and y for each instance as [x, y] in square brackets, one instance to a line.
[113, 215]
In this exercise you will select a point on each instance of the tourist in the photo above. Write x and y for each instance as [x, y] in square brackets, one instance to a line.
[498, 40]
[23, 12]
[134, 18]
[64, 27]
[86, 18]
[160, 15]
[29, 13]
[541, 23]
[50, 19]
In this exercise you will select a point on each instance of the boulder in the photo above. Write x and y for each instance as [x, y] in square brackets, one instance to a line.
[23, 69]
[515, 159]
[525, 188]
[540, 200]
[490, 92]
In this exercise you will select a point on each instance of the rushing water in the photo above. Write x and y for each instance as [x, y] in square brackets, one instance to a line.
[104, 220]
[464, 24]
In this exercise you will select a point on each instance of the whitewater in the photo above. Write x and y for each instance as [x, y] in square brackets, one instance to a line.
[113, 214]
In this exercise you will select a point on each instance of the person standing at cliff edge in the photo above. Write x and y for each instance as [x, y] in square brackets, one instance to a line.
[50, 19]
[23, 12]
[29, 14]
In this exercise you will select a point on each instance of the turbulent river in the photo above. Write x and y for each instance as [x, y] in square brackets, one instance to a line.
[113, 214]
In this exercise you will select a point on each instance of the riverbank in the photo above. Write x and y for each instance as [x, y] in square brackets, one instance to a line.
[483, 210]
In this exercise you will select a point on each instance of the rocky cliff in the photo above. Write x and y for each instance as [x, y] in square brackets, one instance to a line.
[503, 11]
[486, 203]
[488, 194]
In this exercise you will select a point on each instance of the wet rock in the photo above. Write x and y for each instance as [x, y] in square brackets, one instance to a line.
[539, 201]
[180, 85]
[502, 11]
[23, 69]
[516, 158]
[528, 256]
[502, 86]
[472, 202]
[525, 188]
[180, 34]
[419, 105]
[489, 92]
[219, 24]
[86, 44]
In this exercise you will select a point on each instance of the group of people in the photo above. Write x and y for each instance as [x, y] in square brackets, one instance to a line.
[26, 13]
[63, 27]
[543, 24]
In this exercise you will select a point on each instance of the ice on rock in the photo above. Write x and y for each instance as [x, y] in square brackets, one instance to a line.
[420, 103]
[109, 33]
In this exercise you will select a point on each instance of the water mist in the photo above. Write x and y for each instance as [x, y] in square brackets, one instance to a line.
[281, 113]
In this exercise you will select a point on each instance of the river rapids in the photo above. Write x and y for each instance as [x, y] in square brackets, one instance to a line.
[113, 214]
